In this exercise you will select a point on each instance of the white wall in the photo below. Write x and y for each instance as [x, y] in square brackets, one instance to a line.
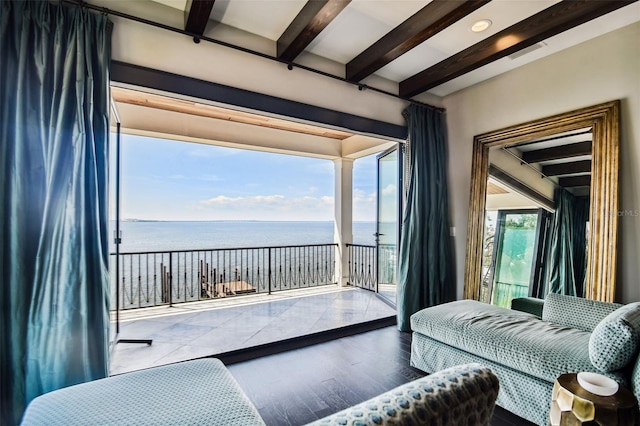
[600, 70]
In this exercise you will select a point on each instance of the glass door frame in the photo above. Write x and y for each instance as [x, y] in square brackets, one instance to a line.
[117, 237]
[536, 278]
[399, 148]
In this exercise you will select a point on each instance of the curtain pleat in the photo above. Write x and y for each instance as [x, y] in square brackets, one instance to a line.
[425, 276]
[567, 258]
[53, 255]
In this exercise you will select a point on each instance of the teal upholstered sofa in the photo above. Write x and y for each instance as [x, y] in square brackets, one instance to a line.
[528, 352]
[203, 392]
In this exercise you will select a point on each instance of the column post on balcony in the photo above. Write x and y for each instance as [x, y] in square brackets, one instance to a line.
[343, 225]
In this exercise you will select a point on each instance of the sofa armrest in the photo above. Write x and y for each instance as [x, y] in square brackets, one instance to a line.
[531, 305]
[461, 395]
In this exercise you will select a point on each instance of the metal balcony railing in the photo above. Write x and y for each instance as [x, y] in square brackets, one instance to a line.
[366, 270]
[504, 292]
[168, 277]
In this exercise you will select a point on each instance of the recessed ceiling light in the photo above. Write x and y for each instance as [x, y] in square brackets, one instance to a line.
[481, 25]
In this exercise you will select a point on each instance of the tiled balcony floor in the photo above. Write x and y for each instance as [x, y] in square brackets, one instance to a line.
[202, 329]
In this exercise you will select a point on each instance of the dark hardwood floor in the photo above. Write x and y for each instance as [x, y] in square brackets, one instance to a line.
[302, 385]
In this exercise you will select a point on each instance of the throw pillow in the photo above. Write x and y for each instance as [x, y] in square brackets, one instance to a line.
[614, 341]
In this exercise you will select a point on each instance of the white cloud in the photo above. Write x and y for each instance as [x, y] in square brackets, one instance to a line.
[388, 190]
[222, 200]
[364, 205]
[359, 196]
[177, 177]
[269, 207]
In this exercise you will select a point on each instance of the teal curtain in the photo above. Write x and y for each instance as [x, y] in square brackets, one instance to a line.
[567, 258]
[54, 127]
[425, 275]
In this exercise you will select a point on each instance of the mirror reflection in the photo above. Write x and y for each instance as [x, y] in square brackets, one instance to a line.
[535, 237]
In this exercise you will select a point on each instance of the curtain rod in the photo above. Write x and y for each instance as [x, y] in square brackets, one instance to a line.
[524, 163]
[552, 138]
[196, 38]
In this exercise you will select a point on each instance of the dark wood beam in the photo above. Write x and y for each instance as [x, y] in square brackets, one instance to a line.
[424, 24]
[547, 23]
[557, 152]
[136, 75]
[567, 168]
[574, 181]
[312, 19]
[196, 15]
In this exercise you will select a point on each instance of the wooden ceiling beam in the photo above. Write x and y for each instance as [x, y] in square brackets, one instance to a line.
[196, 15]
[312, 19]
[424, 24]
[551, 21]
[557, 152]
[567, 168]
[575, 181]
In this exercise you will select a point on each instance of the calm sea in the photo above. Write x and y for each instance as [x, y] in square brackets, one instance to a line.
[162, 236]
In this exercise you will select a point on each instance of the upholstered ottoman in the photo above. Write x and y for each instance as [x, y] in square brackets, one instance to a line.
[188, 393]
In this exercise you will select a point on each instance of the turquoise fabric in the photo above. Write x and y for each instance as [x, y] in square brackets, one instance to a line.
[567, 258]
[53, 252]
[200, 392]
[463, 395]
[425, 272]
[517, 340]
[571, 311]
[522, 394]
[615, 340]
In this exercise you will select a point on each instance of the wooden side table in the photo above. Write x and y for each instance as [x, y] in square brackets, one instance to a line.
[573, 405]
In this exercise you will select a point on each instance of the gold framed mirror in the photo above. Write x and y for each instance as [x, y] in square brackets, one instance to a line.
[603, 121]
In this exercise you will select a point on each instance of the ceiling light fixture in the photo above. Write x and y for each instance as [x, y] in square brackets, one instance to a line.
[480, 25]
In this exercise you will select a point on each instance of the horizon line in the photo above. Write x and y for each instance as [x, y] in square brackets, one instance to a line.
[228, 220]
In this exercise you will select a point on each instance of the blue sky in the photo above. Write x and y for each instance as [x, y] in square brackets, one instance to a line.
[169, 180]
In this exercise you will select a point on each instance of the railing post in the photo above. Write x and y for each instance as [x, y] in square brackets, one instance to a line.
[170, 279]
[269, 270]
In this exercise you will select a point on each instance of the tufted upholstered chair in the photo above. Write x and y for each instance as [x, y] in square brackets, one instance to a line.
[464, 395]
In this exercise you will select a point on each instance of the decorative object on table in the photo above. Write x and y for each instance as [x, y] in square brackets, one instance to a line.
[597, 384]
[571, 404]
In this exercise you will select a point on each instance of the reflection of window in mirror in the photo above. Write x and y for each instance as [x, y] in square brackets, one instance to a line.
[525, 245]
[516, 227]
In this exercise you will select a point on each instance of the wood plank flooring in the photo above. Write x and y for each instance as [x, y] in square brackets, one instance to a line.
[296, 387]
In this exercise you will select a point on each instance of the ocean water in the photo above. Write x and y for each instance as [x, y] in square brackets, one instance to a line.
[168, 235]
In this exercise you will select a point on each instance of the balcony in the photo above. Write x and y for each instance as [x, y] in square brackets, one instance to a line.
[224, 302]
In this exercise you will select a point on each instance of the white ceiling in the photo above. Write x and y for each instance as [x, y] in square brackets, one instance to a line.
[363, 22]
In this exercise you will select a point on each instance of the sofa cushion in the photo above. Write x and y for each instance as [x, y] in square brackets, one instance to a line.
[614, 341]
[570, 311]
[515, 339]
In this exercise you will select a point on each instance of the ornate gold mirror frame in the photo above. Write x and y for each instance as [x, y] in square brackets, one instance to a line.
[604, 121]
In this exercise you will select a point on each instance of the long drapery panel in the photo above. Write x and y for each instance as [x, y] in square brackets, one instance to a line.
[425, 276]
[54, 129]
[567, 259]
